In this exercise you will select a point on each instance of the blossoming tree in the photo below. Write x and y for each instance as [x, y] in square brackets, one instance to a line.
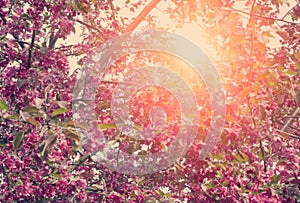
[42, 158]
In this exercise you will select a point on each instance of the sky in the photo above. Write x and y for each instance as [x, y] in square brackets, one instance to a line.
[191, 31]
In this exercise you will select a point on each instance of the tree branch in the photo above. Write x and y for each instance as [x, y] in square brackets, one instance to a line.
[21, 44]
[30, 49]
[281, 123]
[52, 41]
[252, 27]
[263, 17]
[142, 15]
[263, 155]
[130, 28]
[288, 134]
[3, 19]
[87, 25]
[287, 123]
[287, 13]
[82, 160]
[117, 82]
[134, 24]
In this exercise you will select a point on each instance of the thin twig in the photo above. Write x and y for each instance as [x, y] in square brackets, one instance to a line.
[117, 82]
[87, 25]
[21, 44]
[287, 123]
[287, 13]
[281, 123]
[66, 46]
[260, 16]
[289, 134]
[263, 155]
[83, 159]
[291, 116]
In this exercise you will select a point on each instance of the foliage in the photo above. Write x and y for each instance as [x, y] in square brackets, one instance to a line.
[42, 159]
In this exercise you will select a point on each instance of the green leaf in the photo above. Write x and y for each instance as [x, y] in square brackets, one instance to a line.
[107, 126]
[160, 193]
[59, 111]
[297, 55]
[39, 115]
[290, 73]
[33, 121]
[98, 187]
[268, 34]
[275, 179]
[239, 158]
[24, 15]
[163, 146]
[218, 156]
[30, 109]
[70, 123]
[12, 116]
[245, 156]
[210, 185]
[225, 182]
[48, 143]
[272, 84]
[242, 157]
[222, 166]
[2, 37]
[18, 139]
[3, 105]
[56, 175]
[73, 134]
